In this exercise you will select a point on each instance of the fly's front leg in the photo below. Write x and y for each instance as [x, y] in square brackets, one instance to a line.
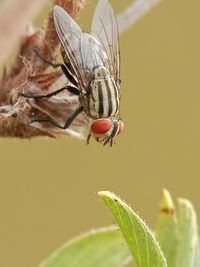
[68, 122]
[88, 139]
[71, 89]
[55, 66]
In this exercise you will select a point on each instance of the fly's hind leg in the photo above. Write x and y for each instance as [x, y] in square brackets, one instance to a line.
[57, 65]
[67, 123]
[71, 89]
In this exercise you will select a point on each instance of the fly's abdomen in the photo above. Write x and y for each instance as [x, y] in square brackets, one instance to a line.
[103, 98]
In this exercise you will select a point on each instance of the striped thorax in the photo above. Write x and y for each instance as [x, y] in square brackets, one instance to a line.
[102, 100]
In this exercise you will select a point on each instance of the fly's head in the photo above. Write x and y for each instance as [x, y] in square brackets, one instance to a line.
[104, 130]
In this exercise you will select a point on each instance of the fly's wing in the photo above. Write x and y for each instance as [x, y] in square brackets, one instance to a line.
[92, 54]
[83, 51]
[105, 30]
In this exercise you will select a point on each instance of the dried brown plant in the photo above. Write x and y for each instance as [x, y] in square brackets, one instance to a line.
[28, 73]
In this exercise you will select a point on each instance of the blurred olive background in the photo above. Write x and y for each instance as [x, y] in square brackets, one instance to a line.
[47, 187]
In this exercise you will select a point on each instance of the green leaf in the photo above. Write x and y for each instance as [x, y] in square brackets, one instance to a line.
[140, 239]
[196, 262]
[98, 248]
[187, 249]
[167, 229]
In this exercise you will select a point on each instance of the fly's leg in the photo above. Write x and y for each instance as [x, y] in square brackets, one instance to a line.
[55, 66]
[112, 135]
[68, 122]
[88, 138]
[71, 89]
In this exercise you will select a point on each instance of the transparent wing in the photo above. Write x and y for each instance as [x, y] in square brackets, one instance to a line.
[92, 54]
[105, 30]
[83, 51]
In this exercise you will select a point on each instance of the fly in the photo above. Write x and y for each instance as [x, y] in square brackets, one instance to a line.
[92, 65]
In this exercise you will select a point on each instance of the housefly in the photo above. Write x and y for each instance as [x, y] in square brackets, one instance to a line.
[92, 65]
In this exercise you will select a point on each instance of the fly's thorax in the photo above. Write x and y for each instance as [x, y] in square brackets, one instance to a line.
[103, 95]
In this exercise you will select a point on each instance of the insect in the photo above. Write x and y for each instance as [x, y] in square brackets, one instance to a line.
[92, 65]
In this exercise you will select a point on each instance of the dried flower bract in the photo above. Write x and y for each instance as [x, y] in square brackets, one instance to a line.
[29, 74]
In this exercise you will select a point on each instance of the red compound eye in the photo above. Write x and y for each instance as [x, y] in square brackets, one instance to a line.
[101, 126]
[121, 127]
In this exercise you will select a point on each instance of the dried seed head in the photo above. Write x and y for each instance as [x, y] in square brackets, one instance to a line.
[28, 74]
